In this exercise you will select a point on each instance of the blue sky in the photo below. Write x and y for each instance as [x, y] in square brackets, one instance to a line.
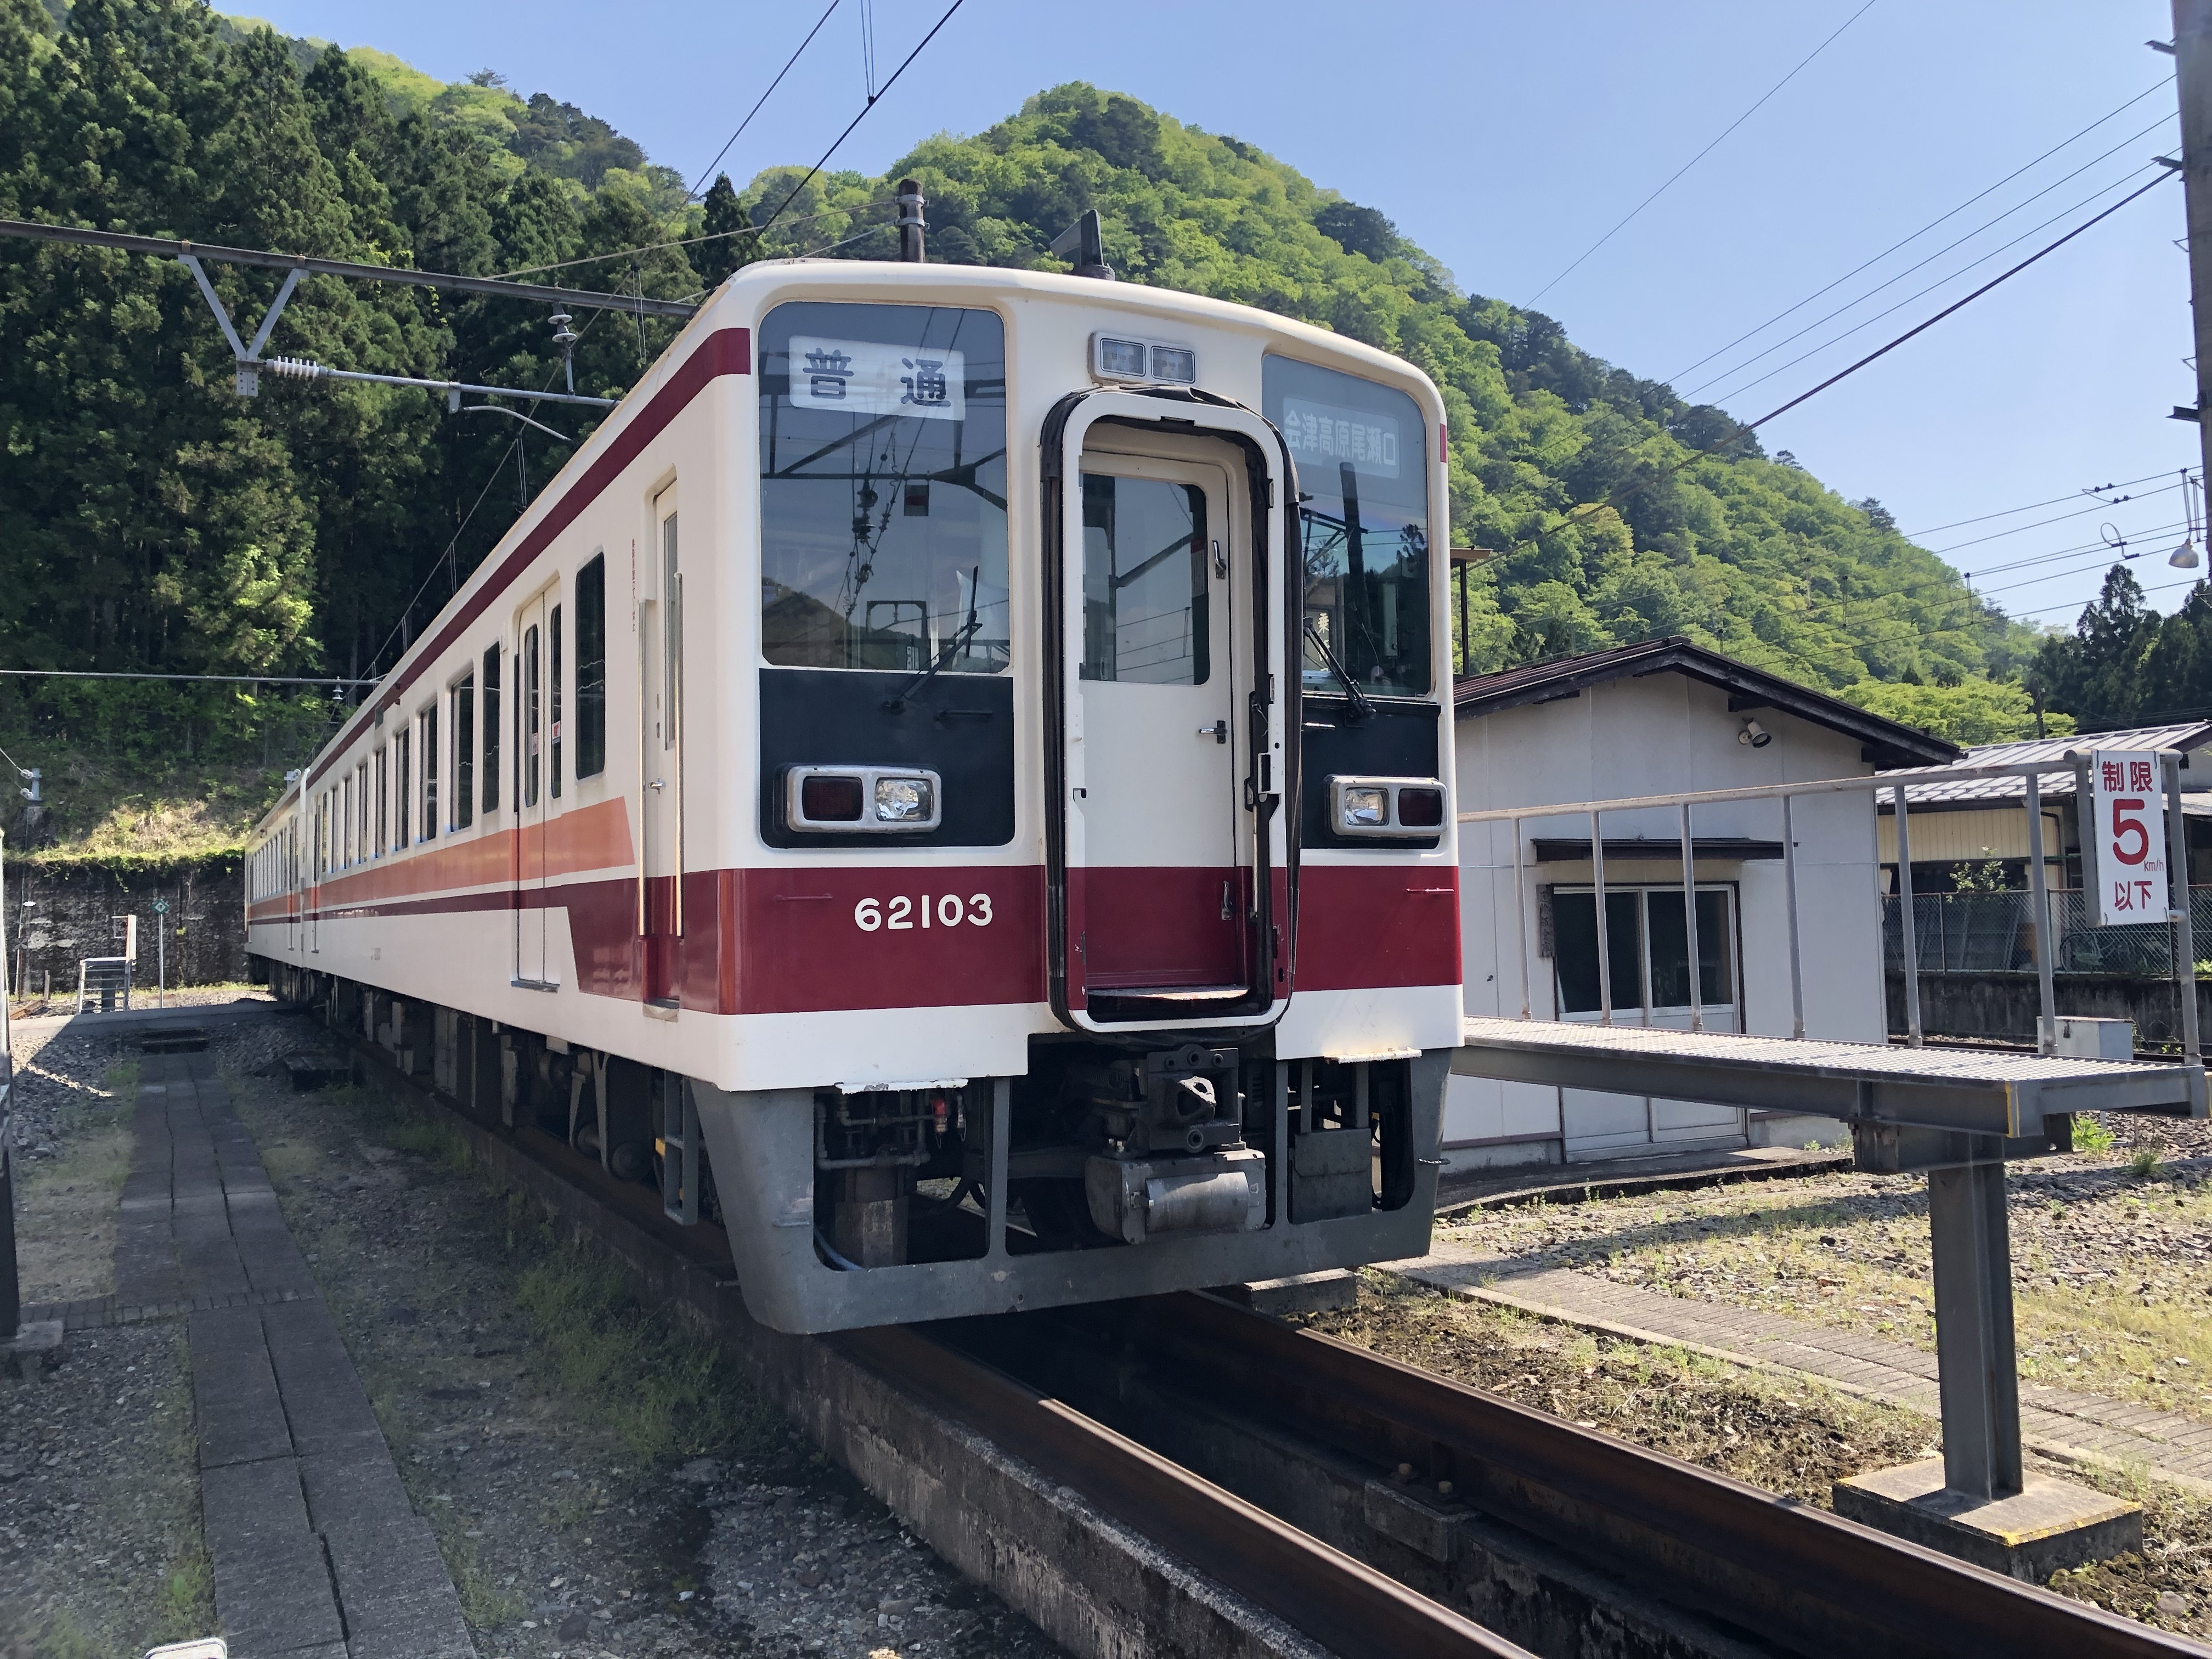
[1506, 139]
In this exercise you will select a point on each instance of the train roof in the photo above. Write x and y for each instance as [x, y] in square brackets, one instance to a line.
[748, 292]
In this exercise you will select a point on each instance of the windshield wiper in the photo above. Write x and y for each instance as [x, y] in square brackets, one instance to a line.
[951, 649]
[1362, 708]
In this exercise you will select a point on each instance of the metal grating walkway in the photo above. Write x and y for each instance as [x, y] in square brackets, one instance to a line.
[1982, 1093]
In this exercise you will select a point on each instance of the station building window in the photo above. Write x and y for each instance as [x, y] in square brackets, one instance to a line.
[1647, 948]
[883, 466]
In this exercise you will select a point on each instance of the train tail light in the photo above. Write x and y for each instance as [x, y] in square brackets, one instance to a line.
[862, 799]
[1387, 809]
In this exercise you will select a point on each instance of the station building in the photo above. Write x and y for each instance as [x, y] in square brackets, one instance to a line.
[1664, 717]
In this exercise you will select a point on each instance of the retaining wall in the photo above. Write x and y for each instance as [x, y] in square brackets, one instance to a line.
[62, 909]
[2004, 1006]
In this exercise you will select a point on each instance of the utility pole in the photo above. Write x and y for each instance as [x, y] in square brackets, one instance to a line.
[2192, 65]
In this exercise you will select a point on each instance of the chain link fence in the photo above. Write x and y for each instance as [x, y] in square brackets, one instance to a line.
[1994, 933]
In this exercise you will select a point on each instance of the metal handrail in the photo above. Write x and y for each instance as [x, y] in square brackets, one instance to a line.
[1897, 783]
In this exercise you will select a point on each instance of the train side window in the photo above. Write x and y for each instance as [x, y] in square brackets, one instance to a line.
[403, 783]
[427, 746]
[464, 746]
[591, 668]
[360, 843]
[346, 821]
[882, 469]
[553, 651]
[490, 779]
[1145, 615]
[526, 712]
[383, 798]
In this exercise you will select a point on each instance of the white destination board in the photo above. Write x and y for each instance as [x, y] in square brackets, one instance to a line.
[2127, 830]
[1324, 433]
[866, 377]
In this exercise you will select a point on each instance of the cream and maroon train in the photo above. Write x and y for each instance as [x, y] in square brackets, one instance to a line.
[950, 782]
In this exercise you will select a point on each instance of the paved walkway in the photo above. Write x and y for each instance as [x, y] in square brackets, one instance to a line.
[316, 1550]
[2057, 1423]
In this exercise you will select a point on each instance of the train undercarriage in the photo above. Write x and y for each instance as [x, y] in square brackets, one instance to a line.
[1108, 1170]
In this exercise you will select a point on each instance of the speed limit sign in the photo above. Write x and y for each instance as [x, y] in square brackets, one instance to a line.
[2127, 834]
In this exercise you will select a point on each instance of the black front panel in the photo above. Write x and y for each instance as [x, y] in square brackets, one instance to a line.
[1398, 741]
[959, 726]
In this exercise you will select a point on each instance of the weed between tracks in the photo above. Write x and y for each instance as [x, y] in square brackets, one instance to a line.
[1785, 1434]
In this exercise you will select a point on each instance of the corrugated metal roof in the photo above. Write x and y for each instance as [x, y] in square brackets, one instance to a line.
[2193, 736]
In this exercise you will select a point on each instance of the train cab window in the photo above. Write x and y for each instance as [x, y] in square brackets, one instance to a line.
[591, 668]
[1144, 611]
[1362, 454]
[490, 791]
[464, 750]
[426, 724]
[883, 468]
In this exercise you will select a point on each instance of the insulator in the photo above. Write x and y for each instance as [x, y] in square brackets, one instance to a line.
[297, 368]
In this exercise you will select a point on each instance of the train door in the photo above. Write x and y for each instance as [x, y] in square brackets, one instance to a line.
[1169, 830]
[660, 778]
[295, 898]
[535, 737]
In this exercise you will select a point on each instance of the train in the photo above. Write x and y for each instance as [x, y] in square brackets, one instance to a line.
[816, 808]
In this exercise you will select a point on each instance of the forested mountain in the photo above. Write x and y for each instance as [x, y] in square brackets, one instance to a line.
[151, 520]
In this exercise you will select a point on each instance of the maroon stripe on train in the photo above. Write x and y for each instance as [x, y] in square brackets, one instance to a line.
[780, 941]
[726, 351]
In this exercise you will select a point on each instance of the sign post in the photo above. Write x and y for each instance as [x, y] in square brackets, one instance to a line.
[2125, 839]
[160, 953]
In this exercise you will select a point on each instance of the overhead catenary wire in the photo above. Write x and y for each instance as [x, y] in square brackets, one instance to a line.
[222, 679]
[706, 172]
[711, 236]
[1700, 156]
[1951, 276]
[1744, 427]
[769, 222]
[1923, 231]
[2030, 507]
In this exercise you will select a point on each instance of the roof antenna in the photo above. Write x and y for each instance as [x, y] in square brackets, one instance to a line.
[1083, 243]
[911, 224]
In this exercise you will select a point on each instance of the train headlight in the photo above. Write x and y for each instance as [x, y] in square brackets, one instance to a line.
[1387, 809]
[904, 800]
[829, 801]
[1121, 360]
[1117, 359]
[1365, 809]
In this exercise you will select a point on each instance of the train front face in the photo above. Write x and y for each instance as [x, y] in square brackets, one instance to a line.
[1101, 935]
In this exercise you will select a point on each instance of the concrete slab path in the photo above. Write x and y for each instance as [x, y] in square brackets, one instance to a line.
[2056, 1423]
[316, 1550]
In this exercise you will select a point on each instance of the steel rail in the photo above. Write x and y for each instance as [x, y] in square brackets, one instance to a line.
[1343, 1603]
[1800, 1578]
[1796, 1576]
[172, 248]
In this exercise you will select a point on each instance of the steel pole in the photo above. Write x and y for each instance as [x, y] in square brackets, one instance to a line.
[1520, 913]
[1906, 933]
[1690, 924]
[2046, 1024]
[1604, 944]
[2192, 70]
[2185, 931]
[1976, 1378]
[1789, 900]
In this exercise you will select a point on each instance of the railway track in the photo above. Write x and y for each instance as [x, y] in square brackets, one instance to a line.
[1348, 1504]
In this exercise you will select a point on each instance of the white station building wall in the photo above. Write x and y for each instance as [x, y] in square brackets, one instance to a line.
[1662, 734]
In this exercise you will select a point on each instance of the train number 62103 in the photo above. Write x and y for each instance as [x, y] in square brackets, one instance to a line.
[900, 913]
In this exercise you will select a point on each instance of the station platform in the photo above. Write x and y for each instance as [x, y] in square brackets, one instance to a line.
[1975, 1092]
